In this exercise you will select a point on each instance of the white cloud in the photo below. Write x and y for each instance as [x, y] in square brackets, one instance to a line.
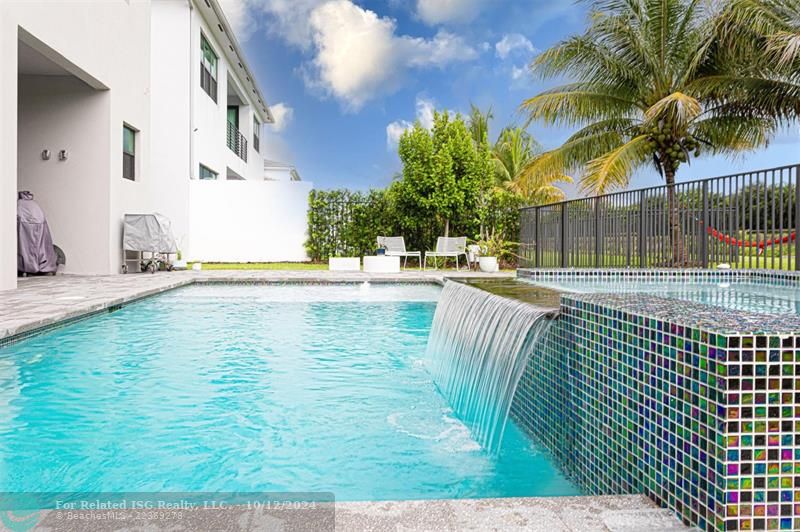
[518, 73]
[238, 15]
[448, 11]
[358, 54]
[354, 54]
[395, 130]
[425, 109]
[289, 19]
[513, 42]
[282, 114]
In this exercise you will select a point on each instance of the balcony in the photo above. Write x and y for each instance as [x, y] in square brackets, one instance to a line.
[237, 142]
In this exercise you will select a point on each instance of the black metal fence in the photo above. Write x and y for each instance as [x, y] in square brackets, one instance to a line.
[747, 220]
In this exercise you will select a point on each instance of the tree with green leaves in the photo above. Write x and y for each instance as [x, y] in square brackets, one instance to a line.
[444, 173]
[654, 83]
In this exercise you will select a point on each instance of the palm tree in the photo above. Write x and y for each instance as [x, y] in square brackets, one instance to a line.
[769, 29]
[512, 153]
[655, 84]
[479, 124]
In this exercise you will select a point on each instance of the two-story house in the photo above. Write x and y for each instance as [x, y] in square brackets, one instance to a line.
[134, 106]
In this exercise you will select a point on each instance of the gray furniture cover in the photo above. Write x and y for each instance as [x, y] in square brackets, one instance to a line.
[35, 251]
[148, 232]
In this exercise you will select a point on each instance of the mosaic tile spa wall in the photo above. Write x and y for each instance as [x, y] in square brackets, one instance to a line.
[635, 394]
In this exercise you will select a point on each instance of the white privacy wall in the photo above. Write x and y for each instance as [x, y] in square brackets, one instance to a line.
[247, 221]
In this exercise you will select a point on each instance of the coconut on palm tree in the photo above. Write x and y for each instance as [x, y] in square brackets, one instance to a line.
[655, 84]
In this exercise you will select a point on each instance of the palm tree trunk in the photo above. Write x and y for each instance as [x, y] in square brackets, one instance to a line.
[446, 227]
[676, 232]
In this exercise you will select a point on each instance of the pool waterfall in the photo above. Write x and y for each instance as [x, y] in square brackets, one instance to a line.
[477, 351]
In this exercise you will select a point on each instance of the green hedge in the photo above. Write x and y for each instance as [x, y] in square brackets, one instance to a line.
[346, 223]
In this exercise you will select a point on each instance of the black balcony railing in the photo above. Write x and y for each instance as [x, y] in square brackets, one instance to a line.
[237, 142]
[748, 220]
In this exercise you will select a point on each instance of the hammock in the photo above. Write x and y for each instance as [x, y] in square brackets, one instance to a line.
[761, 244]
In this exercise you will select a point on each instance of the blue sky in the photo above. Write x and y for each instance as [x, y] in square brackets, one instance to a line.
[344, 77]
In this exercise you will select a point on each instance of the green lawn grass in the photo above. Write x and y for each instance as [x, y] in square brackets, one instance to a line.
[766, 261]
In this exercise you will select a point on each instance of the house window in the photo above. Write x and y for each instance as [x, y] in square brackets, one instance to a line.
[128, 153]
[207, 173]
[208, 68]
[256, 134]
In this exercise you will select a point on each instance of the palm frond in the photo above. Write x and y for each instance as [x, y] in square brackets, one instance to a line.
[726, 134]
[613, 170]
[578, 103]
[678, 107]
[570, 156]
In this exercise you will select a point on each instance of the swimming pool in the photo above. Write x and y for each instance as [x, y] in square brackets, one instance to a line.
[748, 296]
[251, 388]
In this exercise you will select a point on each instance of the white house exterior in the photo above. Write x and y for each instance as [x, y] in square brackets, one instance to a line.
[138, 94]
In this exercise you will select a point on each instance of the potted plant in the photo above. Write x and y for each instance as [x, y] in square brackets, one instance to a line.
[180, 263]
[491, 248]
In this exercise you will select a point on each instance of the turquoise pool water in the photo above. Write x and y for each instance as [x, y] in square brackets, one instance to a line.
[250, 388]
[747, 296]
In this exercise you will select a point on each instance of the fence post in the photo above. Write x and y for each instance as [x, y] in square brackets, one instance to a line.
[536, 244]
[597, 246]
[704, 228]
[642, 250]
[564, 258]
[796, 217]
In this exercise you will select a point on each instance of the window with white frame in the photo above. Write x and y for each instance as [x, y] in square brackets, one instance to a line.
[208, 68]
[256, 134]
[207, 173]
[128, 152]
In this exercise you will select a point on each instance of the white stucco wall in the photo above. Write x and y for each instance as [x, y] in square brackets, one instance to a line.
[210, 118]
[142, 61]
[172, 90]
[248, 221]
[62, 112]
[105, 41]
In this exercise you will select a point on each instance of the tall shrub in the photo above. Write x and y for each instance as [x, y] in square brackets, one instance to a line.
[444, 177]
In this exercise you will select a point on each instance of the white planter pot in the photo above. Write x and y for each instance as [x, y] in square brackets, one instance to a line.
[488, 264]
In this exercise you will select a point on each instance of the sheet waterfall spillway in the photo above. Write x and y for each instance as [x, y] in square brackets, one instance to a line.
[477, 351]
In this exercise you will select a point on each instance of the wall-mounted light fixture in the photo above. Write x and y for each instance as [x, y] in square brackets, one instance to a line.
[45, 155]
[63, 155]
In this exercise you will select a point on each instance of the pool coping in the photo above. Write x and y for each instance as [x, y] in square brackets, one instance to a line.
[602, 513]
[709, 317]
[41, 304]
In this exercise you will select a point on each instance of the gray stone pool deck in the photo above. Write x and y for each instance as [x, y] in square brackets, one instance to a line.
[612, 513]
[42, 301]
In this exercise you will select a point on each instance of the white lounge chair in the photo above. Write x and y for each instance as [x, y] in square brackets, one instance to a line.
[448, 247]
[395, 246]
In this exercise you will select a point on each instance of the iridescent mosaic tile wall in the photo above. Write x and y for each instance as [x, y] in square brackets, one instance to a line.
[691, 404]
